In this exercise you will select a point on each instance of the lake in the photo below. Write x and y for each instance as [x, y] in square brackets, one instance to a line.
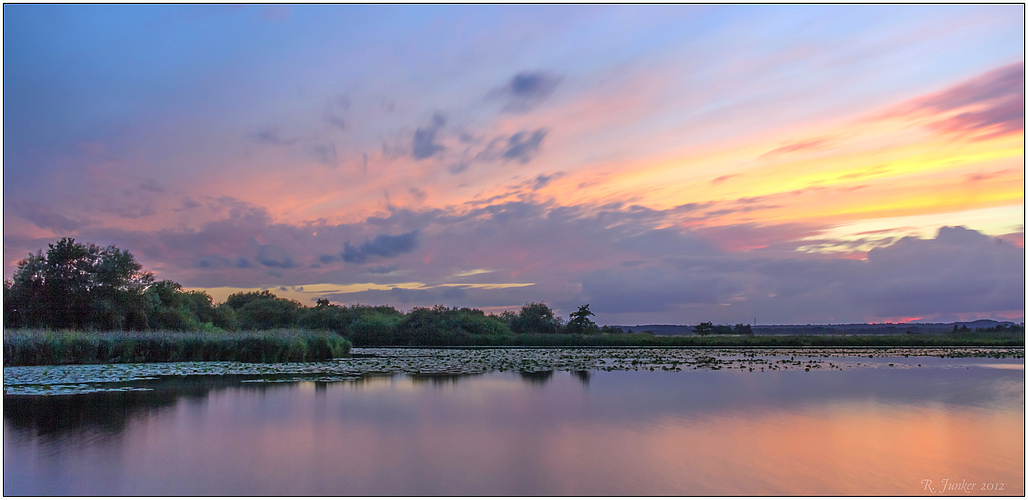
[526, 422]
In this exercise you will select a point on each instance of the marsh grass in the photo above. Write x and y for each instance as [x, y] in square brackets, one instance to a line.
[45, 347]
[979, 339]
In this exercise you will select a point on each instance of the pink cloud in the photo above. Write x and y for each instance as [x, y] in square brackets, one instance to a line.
[806, 145]
[986, 106]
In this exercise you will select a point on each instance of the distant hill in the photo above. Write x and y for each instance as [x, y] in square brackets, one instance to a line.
[851, 328]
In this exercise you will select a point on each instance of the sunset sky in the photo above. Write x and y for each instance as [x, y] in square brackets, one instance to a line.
[664, 164]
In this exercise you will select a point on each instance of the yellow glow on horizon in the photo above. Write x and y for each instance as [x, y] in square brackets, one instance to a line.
[306, 293]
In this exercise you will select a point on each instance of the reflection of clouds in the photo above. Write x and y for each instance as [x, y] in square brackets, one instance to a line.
[865, 432]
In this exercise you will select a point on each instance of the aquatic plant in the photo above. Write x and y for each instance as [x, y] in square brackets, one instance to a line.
[46, 347]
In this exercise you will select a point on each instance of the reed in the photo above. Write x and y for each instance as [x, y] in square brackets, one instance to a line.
[62, 347]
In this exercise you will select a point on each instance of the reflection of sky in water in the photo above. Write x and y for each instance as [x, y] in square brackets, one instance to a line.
[866, 431]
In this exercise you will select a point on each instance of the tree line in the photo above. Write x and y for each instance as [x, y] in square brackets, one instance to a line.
[87, 287]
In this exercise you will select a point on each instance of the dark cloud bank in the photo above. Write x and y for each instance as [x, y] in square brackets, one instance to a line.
[623, 260]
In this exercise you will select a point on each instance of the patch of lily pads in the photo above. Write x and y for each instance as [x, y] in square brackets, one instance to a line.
[81, 379]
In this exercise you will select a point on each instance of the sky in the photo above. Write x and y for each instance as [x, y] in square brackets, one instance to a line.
[671, 164]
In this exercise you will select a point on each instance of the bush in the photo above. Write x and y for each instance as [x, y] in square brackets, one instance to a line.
[265, 313]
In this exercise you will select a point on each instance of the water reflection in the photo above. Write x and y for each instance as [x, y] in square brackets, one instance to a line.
[582, 376]
[536, 378]
[860, 432]
[439, 379]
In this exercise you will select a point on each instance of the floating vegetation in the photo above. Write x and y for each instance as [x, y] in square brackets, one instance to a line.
[78, 379]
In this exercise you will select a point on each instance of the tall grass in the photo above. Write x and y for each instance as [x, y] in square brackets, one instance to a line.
[976, 339]
[44, 347]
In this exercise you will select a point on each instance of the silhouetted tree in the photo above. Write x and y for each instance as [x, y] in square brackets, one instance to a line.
[579, 321]
[75, 285]
[532, 318]
[705, 328]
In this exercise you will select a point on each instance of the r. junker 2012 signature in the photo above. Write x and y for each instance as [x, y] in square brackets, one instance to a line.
[947, 486]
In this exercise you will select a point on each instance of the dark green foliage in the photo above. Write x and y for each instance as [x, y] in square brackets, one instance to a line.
[35, 347]
[441, 325]
[76, 286]
[532, 318]
[372, 330]
[238, 300]
[705, 328]
[325, 317]
[741, 329]
[266, 313]
[579, 321]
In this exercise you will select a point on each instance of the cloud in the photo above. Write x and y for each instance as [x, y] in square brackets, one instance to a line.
[270, 135]
[423, 145]
[525, 90]
[793, 147]
[381, 269]
[43, 217]
[959, 272]
[418, 194]
[542, 180]
[458, 167]
[274, 257]
[335, 121]
[738, 237]
[152, 186]
[986, 106]
[189, 203]
[325, 153]
[652, 289]
[723, 178]
[522, 147]
[383, 245]
[632, 263]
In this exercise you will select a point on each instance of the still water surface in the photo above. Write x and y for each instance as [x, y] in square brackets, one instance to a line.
[868, 429]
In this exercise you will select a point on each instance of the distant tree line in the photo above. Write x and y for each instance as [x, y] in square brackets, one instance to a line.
[708, 328]
[86, 287]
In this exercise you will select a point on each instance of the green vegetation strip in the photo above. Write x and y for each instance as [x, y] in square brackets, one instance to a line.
[973, 339]
[42, 347]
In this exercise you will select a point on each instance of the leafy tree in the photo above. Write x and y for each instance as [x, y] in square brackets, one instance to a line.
[441, 325]
[579, 321]
[532, 318]
[238, 300]
[741, 329]
[75, 285]
[266, 313]
[225, 317]
[705, 328]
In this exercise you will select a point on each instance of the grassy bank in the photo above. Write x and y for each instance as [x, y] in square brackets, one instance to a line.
[39, 347]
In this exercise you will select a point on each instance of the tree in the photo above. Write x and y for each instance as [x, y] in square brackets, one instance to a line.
[741, 329]
[704, 328]
[579, 321]
[75, 285]
[532, 318]
[267, 313]
[238, 300]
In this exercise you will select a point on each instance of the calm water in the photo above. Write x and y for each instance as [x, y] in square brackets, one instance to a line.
[864, 429]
